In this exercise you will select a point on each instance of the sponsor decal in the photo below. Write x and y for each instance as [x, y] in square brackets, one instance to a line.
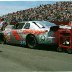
[36, 32]
[16, 35]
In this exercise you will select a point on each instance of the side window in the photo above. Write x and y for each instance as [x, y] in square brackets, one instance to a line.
[27, 26]
[19, 26]
[14, 27]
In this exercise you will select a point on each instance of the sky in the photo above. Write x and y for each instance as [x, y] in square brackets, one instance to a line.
[14, 6]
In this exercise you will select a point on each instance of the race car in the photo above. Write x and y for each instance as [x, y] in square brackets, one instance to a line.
[31, 33]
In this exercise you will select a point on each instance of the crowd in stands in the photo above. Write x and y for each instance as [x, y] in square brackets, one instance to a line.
[60, 11]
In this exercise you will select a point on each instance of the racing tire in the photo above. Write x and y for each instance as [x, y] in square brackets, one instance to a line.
[31, 41]
[59, 49]
[1, 39]
[69, 51]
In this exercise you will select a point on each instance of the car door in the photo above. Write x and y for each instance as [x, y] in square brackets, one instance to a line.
[24, 34]
[16, 33]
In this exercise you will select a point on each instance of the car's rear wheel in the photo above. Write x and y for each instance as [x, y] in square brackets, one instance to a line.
[31, 41]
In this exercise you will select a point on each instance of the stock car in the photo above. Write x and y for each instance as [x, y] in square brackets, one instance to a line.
[31, 33]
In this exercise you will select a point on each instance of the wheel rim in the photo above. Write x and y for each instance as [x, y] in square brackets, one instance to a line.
[31, 41]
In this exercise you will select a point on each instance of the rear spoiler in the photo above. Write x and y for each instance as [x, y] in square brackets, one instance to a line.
[65, 27]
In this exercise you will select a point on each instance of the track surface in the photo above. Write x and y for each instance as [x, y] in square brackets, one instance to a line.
[20, 59]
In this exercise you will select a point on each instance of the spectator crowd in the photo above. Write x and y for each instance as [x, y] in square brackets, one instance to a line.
[60, 11]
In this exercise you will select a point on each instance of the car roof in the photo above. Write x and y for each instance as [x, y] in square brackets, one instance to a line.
[47, 22]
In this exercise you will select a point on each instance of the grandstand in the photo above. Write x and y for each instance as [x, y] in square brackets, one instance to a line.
[60, 13]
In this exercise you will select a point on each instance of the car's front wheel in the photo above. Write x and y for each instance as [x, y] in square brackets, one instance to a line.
[31, 41]
[1, 38]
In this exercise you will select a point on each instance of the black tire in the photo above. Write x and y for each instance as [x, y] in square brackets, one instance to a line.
[1, 38]
[69, 51]
[59, 49]
[31, 41]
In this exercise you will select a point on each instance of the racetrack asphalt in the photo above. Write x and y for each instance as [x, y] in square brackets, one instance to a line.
[20, 59]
